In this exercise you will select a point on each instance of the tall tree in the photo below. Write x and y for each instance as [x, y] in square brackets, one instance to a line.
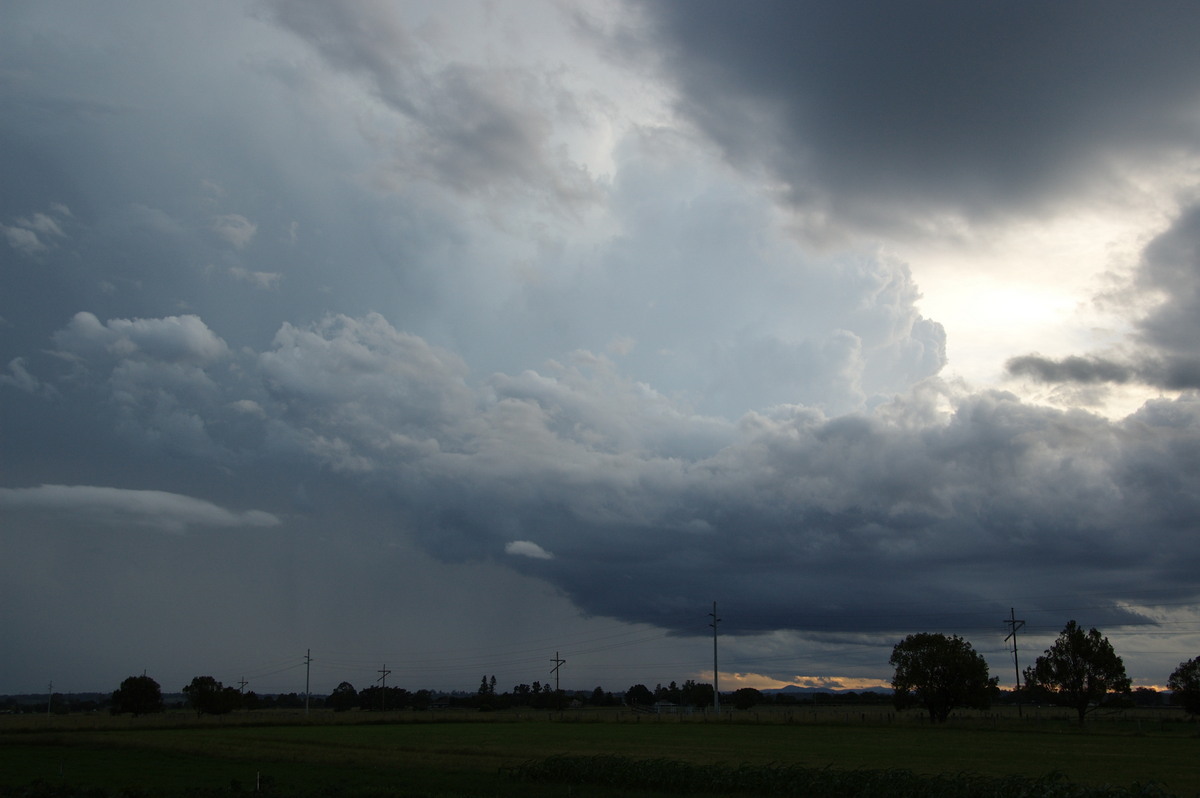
[940, 674]
[1185, 686]
[1081, 670]
[140, 695]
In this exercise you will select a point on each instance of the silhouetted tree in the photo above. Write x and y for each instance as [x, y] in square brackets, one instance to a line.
[696, 695]
[209, 697]
[1146, 697]
[389, 698]
[939, 673]
[422, 699]
[140, 695]
[669, 693]
[1185, 686]
[343, 697]
[746, 697]
[639, 696]
[485, 697]
[1080, 670]
[291, 701]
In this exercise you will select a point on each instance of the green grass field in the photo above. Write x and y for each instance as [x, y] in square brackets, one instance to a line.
[460, 754]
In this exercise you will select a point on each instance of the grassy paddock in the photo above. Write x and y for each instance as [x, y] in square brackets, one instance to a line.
[444, 754]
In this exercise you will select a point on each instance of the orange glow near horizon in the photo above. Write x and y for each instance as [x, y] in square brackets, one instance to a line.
[758, 681]
[736, 681]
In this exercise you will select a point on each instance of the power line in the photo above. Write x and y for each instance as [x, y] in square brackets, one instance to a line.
[524, 654]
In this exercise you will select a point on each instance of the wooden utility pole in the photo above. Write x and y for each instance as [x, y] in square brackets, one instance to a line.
[1014, 625]
[383, 674]
[307, 672]
[558, 663]
[716, 675]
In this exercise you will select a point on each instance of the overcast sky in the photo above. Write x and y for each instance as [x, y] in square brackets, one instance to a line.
[451, 337]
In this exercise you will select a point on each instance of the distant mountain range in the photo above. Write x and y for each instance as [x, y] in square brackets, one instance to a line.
[794, 689]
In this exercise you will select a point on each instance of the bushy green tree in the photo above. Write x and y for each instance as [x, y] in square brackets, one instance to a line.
[1081, 670]
[1185, 686]
[139, 695]
[939, 673]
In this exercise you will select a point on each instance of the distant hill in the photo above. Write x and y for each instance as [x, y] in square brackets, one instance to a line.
[793, 689]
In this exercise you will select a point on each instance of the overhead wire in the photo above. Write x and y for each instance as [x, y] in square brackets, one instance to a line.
[532, 653]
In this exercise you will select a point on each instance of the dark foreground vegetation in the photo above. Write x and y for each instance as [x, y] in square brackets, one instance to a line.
[673, 777]
[869, 751]
[623, 776]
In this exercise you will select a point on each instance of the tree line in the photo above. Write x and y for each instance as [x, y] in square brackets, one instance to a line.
[1080, 670]
[142, 695]
[935, 672]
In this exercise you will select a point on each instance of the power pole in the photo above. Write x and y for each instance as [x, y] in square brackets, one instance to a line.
[383, 674]
[49, 698]
[716, 676]
[1014, 625]
[242, 685]
[307, 671]
[558, 663]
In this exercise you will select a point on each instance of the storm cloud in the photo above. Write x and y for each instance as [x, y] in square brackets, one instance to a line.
[898, 115]
[452, 337]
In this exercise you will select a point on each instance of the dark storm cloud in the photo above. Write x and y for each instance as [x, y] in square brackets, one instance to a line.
[942, 107]
[1172, 373]
[1170, 270]
[1070, 369]
[804, 522]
